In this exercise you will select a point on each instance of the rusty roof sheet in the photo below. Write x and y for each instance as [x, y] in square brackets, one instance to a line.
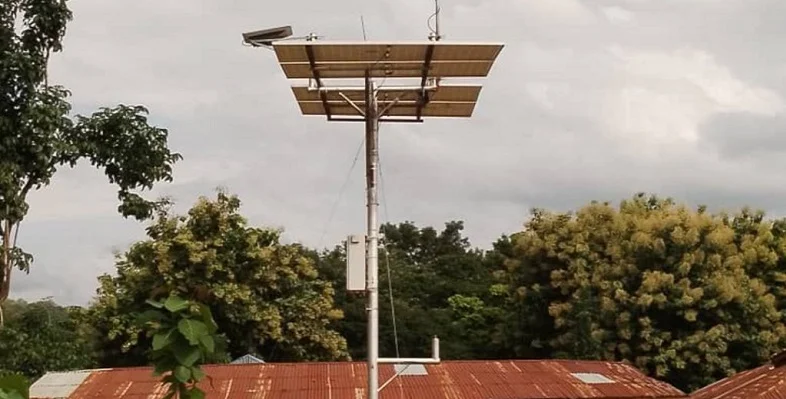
[509, 379]
[765, 382]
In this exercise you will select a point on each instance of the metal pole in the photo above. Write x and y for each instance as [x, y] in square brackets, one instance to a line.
[372, 285]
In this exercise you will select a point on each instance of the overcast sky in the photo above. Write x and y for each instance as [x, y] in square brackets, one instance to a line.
[590, 99]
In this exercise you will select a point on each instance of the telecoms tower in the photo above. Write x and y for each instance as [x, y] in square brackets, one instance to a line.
[378, 65]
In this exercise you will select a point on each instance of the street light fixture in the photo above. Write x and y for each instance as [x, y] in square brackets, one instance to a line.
[266, 37]
[371, 103]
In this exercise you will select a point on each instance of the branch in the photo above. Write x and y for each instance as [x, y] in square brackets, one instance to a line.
[27, 187]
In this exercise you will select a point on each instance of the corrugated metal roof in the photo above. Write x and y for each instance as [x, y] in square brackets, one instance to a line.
[58, 385]
[510, 379]
[765, 382]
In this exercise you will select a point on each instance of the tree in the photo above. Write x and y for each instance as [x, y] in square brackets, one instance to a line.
[38, 135]
[184, 337]
[762, 243]
[652, 282]
[41, 337]
[440, 286]
[265, 296]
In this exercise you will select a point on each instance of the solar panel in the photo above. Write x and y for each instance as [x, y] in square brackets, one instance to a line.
[419, 60]
[446, 101]
[442, 93]
[335, 51]
[403, 69]
[336, 60]
[403, 108]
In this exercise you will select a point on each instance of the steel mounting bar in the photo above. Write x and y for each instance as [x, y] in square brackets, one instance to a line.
[423, 77]
[388, 107]
[317, 78]
[352, 104]
[323, 89]
[398, 373]
[382, 120]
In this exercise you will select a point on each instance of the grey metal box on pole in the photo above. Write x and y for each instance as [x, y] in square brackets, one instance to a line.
[356, 263]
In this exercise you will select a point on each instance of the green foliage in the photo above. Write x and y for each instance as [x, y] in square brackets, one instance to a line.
[266, 296]
[41, 337]
[682, 294]
[14, 386]
[184, 335]
[39, 135]
[433, 273]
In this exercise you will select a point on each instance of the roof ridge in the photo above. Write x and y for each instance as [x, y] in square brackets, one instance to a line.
[315, 363]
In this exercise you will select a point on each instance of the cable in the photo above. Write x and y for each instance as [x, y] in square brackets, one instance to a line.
[387, 257]
[435, 14]
[428, 23]
[382, 190]
[392, 305]
[341, 192]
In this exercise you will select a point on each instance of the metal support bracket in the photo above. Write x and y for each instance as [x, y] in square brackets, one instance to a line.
[408, 361]
[424, 97]
[388, 107]
[385, 120]
[352, 104]
[318, 80]
[398, 373]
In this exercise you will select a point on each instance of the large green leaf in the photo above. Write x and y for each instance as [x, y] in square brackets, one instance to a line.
[193, 330]
[207, 317]
[150, 315]
[155, 304]
[197, 373]
[162, 339]
[15, 383]
[208, 343]
[187, 355]
[163, 365]
[196, 393]
[11, 394]
[175, 304]
[182, 373]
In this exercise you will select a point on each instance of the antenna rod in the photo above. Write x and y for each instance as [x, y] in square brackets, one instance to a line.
[436, 19]
[372, 252]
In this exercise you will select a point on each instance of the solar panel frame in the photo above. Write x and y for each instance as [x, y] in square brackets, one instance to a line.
[402, 69]
[337, 51]
[446, 92]
[455, 109]
[351, 60]
[339, 60]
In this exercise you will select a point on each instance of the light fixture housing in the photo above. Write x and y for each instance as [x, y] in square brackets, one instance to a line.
[266, 37]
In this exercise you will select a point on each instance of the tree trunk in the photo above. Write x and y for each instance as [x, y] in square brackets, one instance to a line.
[5, 277]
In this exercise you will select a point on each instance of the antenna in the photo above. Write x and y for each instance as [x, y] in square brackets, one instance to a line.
[434, 34]
[370, 103]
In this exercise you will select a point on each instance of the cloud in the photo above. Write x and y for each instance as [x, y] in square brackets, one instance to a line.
[589, 100]
[746, 136]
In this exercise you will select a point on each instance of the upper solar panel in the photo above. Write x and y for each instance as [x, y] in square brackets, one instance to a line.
[326, 60]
